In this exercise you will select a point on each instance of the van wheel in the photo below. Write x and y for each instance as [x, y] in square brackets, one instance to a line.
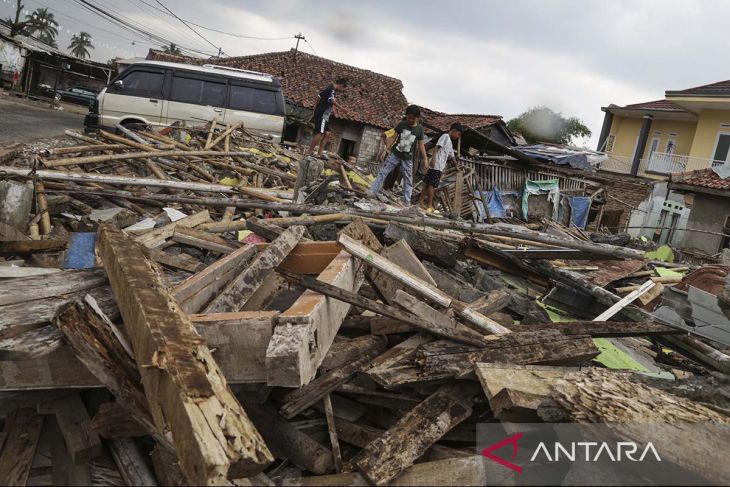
[131, 125]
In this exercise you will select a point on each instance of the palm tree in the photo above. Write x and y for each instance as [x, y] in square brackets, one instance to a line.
[42, 24]
[172, 49]
[80, 45]
[16, 25]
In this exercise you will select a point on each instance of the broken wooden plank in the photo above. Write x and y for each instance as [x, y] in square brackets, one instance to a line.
[113, 420]
[131, 463]
[187, 392]
[240, 340]
[453, 471]
[297, 446]
[514, 392]
[19, 247]
[332, 430]
[38, 287]
[297, 401]
[156, 236]
[388, 456]
[82, 442]
[64, 470]
[31, 344]
[308, 327]
[92, 339]
[625, 301]
[201, 240]
[343, 352]
[603, 329]
[195, 292]
[235, 295]
[433, 325]
[423, 288]
[546, 347]
[384, 369]
[183, 262]
[400, 253]
[23, 428]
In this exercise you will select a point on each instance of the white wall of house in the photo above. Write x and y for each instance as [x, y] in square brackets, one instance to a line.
[648, 216]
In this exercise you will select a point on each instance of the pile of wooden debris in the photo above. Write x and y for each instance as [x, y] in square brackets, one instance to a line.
[200, 312]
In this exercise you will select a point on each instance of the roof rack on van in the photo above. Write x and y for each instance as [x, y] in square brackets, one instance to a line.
[228, 68]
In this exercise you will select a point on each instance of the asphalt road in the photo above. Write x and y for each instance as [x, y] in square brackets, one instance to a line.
[20, 121]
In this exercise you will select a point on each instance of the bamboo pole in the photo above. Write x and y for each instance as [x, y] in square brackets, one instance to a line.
[139, 155]
[44, 224]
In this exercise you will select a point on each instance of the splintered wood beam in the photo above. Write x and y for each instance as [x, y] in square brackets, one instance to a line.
[401, 253]
[37, 287]
[420, 286]
[131, 462]
[332, 430]
[308, 327]
[29, 246]
[444, 359]
[186, 391]
[202, 240]
[399, 447]
[23, 428]
[297, 401]
[93, 340]
[238, 291]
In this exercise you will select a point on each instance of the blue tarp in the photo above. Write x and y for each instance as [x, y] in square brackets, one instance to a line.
[579, 208]
[80, 253]
[495, 203]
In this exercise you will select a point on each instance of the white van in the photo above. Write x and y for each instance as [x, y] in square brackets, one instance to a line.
[160, 94]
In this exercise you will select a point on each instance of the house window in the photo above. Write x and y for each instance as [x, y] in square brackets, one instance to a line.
[722, 147]
[671, 146]
[610, 142]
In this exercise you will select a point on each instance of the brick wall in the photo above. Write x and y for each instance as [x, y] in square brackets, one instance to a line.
[370, 144]
[628, 191]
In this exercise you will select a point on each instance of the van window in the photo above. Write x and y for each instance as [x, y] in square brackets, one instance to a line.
[198, 91]
[253, 100]
[143, 83]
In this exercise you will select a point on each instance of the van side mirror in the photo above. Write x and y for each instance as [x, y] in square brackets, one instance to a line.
[119, 85]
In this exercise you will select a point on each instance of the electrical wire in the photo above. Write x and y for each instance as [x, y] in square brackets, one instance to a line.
[310, 46]
[188, 26]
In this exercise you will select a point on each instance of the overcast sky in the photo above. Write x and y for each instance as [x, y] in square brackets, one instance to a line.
[475, 57]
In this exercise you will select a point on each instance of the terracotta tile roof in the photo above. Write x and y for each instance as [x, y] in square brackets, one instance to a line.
[720, 88]
[370, 97]
[442, 121]
[703, 178]
[663, 105]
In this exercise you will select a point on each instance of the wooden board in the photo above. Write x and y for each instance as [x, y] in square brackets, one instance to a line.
[23, 428]
[306, 330]
[187, 393]
[389, 455]
[400, 253]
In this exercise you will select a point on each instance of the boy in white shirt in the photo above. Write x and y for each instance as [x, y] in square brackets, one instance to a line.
[443, 151]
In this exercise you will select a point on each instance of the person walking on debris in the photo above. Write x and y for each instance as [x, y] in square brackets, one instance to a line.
[409, 135]
[322, 112]
[443, 152]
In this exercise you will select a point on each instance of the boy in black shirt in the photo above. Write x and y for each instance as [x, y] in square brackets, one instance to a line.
[325, 107]
[409, 135]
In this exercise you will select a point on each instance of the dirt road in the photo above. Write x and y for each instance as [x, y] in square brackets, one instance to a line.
[21, 121]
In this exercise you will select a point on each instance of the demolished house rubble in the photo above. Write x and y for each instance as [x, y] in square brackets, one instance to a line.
[199, 306]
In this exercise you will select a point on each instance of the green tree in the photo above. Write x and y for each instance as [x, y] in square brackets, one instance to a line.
[172, 49]
[80, 45]
[43, 25]
[541, 124]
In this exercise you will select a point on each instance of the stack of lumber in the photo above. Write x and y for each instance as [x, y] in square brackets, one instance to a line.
[245, 337]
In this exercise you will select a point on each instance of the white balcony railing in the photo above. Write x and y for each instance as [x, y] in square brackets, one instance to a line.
[666, 163]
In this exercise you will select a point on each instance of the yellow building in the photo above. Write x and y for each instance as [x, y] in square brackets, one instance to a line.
[688, 130]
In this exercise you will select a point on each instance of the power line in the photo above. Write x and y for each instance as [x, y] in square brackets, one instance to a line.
[233, 34]
[188, 26]
[310, 46]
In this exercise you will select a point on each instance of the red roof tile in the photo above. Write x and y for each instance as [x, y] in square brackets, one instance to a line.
[442, 121]
[703, 178]
[663, 105]
[719, 88]
[370, 97]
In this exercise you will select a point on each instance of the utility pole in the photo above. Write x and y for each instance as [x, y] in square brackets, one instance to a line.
[298, 37]
[220, 50]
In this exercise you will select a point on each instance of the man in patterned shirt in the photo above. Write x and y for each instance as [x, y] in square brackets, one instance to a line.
[400, 151]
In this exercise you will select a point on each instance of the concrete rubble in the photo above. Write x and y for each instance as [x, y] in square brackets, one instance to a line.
[191, 306]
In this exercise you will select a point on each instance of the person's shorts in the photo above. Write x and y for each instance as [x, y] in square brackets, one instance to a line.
[433, 177]
[321, 125]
